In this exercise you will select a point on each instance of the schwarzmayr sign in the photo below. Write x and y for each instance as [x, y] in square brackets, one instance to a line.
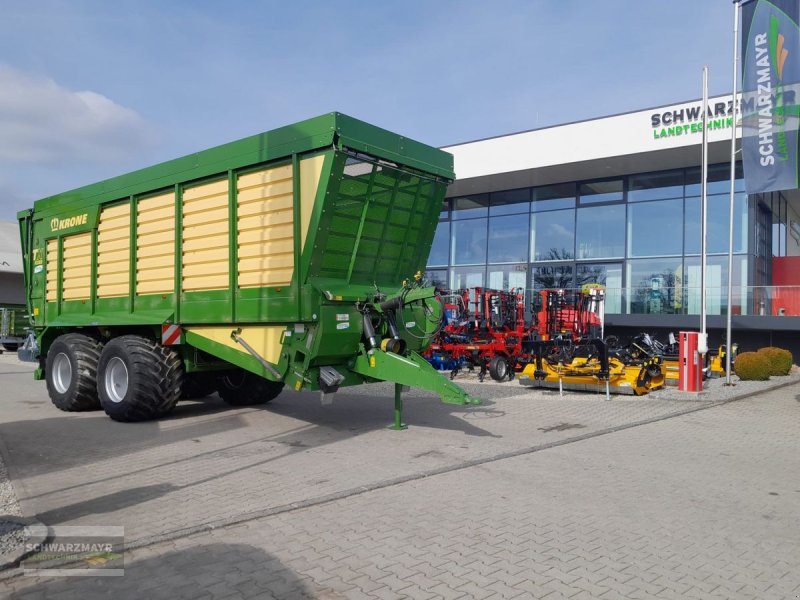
[689, 119]
[770, 88]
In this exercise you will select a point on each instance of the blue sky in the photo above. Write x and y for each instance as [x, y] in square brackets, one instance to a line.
[91, 89]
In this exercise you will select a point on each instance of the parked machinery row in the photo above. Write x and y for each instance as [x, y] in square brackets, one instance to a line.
[486, 329]
[562, 346]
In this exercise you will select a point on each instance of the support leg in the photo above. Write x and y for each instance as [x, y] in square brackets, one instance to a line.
[398, 408]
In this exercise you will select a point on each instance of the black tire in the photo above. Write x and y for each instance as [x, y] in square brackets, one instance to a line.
[198, 385]
[148, 386]
[498, 368]
[71, 372]
[243, 388]
[11, 347]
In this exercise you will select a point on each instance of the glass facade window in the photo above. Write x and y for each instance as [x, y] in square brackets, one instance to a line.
[717, 212]
[468, 244]
[553, 277]
[470, 207]
[466, 277]
[553, 204]
[601, 191]
[719, 180]
[440, 250]
[553, 235]
[553, 197]
[716, 285]
[656, 186]
[508, 239]
[510, 202]
[437, 277]
[600, 232]
[655, 286]
[507, 277]
[608, 275]
[639, 236]
[655, 228]
[777, 203]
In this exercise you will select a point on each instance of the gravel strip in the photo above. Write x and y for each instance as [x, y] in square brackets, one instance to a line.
[11, 531]
[716, 390]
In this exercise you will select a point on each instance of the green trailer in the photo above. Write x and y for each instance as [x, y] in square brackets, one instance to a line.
[13, 323]
[291, 257]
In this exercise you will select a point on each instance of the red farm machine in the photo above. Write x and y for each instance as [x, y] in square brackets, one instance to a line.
[481, 328]
[487, 329]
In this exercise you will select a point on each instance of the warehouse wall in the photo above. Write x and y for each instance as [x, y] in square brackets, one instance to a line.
[12, 288]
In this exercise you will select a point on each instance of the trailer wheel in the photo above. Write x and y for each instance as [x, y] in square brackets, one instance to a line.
[11, 347]
[198, 385]
[498, 368]
[243, 388]
[71, 372]
[138, 379]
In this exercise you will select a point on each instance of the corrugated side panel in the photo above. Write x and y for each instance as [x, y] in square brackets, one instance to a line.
[155, 244]
[51, 293]
[205, 237]
[77, 267]
[113, 251]
[265, 227]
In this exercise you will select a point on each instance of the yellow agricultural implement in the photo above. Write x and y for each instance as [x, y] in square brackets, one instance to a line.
[589, 368]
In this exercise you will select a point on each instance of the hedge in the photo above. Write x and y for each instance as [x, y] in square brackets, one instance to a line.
[779, 360]
[752, 366]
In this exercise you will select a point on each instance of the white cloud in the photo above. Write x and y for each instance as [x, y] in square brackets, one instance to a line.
[42, 122]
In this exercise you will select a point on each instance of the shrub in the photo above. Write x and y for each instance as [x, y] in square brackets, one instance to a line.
[780, 360]
[752, 366]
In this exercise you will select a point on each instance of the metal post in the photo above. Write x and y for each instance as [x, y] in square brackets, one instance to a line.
[728, 318]
[398, 408]
[703, 343]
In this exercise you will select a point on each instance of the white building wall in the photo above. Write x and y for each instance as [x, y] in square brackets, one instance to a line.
[618, 135]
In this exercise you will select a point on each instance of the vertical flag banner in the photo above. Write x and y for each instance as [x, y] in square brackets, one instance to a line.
[770, 94]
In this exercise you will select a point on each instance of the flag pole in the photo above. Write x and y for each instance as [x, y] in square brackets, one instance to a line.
[702, 343]
[728, 318]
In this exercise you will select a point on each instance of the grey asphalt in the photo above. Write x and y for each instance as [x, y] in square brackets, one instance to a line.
[530, 495]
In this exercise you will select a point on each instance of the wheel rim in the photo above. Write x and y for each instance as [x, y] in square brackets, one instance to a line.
[116, 380]
[62, 373]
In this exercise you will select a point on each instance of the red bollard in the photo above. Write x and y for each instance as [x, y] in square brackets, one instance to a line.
[690, 377]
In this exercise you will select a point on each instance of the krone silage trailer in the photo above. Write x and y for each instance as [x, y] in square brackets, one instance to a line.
[289, 257]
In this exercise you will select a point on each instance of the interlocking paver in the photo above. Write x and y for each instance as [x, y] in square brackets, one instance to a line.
[676, 508]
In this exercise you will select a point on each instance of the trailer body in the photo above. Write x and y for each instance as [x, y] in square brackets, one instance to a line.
[271, 255]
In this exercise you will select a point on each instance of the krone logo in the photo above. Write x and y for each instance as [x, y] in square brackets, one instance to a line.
[57, 224]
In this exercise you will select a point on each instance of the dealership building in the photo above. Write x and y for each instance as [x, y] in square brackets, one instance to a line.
[616, 201]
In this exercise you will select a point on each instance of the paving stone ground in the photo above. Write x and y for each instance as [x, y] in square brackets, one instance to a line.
[700, 505]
